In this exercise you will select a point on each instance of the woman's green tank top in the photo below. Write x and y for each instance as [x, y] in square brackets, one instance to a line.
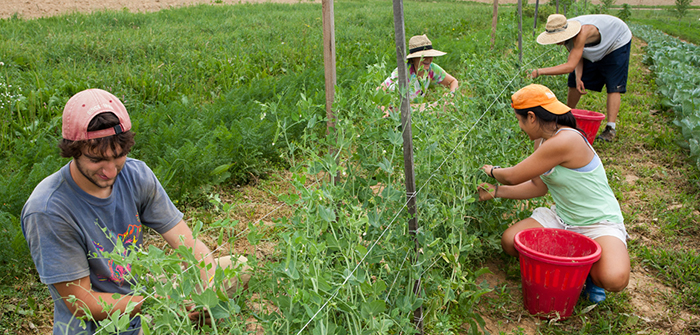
[582, 198]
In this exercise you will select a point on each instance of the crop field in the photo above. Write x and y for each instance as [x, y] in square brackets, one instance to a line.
[228, 107]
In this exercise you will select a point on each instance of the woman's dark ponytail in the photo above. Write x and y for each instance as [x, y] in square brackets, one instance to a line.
[545, 117]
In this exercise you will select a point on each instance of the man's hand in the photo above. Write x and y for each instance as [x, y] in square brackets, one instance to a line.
[386, 110]
[199, 316]
[580, 87]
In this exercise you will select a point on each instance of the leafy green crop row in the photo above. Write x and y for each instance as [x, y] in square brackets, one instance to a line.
[676, 66]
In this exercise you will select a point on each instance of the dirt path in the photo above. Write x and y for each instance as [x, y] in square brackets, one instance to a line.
[30, 9]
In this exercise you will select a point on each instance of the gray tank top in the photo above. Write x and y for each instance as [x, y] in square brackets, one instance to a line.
[614, 34]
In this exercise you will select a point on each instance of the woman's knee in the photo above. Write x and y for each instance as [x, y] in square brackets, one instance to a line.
[508, 237]
[508, 243]
[616, 281]
[612, 279]
[612, 271]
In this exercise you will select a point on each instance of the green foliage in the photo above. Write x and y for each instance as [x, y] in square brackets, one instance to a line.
[172, 287]
[681, 9]
[220, 93]
[625, 13]
[543, 11]
[13, 255]
[676, 66]
[584, 7]
[607, 5]
[687, 28]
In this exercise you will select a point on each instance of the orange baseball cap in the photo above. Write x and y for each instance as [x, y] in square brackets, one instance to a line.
[85, 105]
[534, 95]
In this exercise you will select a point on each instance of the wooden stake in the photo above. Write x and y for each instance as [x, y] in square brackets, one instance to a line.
[400, 36]
[329, 69]
[494, 22]
[537, 5]
[520, 30]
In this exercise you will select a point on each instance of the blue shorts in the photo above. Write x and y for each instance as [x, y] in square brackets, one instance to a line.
[610, 71]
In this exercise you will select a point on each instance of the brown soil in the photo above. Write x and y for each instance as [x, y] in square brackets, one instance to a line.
[30, 9]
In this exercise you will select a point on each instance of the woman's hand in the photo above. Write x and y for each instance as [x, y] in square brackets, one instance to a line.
[488, 169]
[487, 191]
[534, 73]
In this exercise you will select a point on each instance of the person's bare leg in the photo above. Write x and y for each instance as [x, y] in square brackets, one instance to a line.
[612, 271]
[613, 106]
[508, 238]
[572, 97]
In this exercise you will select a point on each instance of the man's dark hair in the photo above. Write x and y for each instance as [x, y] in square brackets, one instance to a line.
[123, 141]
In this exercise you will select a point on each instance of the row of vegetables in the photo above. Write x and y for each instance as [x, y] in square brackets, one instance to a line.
[676, 67]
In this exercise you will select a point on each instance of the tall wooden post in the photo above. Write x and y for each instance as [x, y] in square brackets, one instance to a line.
[494, 23]
[534, 28]
[329, 68]
[400, 36]
[520, 31]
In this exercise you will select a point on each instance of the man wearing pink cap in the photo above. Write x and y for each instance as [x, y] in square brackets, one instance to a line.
[98, 199]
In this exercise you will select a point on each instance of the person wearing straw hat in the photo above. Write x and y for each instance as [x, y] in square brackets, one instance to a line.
[422, 72]
[98, 200]
[565, 165]
[599, 53]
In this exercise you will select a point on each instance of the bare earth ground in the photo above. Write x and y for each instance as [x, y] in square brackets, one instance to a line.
[30, 9]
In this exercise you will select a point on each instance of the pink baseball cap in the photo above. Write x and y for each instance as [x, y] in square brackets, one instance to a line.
[85, 105]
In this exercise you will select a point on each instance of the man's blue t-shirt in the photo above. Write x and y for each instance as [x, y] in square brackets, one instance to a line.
[66, 227]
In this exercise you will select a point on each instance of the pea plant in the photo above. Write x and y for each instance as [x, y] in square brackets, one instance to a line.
[345, 261]
[348, 262]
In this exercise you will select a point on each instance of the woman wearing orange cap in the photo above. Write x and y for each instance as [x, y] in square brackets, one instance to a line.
[565, 165]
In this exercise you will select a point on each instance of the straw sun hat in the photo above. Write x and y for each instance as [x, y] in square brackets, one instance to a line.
[558, 29]
[420, 46]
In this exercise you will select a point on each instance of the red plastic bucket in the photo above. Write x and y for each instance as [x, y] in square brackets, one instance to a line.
[554, 264]
[589, 122]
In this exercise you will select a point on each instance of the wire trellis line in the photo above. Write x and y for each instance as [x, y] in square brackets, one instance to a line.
[414, 194]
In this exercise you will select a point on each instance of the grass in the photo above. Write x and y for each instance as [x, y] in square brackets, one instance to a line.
[687, 28]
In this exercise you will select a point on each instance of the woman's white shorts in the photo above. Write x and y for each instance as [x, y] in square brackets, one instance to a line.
[548, 218]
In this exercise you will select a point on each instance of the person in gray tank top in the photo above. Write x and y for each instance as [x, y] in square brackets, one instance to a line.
[564, 165]
[599, 52]
[101, 198]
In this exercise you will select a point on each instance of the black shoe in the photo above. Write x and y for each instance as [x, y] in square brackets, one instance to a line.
[607, 135]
